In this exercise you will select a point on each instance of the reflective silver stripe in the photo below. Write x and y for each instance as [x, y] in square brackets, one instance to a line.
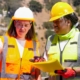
[34, 48]
[49, 42]
[48, 45]
[8, 75]
[5, 48]
[78, 62]
[25, 77]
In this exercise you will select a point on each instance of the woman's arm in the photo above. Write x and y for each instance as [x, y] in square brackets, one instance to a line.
[77, 70]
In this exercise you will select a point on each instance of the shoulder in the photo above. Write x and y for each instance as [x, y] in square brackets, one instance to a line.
[7, 38]
[51, 37]
[49, 41]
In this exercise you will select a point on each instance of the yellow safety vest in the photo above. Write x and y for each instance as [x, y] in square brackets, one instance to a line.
[69, 57]
[11, 65]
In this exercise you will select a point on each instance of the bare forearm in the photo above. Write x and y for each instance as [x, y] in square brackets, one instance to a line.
[77, 69]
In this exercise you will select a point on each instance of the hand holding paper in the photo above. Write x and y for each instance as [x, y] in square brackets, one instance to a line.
[37, 59]
[48, 66]
[66, 73]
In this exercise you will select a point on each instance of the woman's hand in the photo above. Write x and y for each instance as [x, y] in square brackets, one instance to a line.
[66, 73]
[37, 59]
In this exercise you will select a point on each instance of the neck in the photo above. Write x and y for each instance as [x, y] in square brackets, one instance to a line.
[68, 35]
[20, 38]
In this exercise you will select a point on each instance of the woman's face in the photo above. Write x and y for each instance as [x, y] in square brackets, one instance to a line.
[22, 27]
[62, 26]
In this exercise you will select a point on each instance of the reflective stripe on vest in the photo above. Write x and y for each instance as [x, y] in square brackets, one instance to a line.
[3, 74]
[3, 58]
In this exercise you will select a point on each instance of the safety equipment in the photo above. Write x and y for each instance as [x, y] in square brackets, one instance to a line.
[12, 65]
[59, 10]
[23, 13]
[67, 73]
[69, 55]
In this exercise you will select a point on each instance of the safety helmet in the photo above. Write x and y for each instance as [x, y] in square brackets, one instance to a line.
[23, 13]
[59, 10]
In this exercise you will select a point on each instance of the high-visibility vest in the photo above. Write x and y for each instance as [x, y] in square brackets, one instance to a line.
[10, 63]
[69, 57]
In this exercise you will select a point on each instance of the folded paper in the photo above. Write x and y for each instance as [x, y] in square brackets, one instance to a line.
[48, 66]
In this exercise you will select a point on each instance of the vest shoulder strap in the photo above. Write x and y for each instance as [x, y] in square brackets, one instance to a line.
[79, 41]
[78, 49]
[49, 42]
[5, 47]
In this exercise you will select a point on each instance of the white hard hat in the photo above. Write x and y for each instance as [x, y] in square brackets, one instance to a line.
[23, 13]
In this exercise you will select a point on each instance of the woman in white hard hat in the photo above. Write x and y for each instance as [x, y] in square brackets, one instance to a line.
[64, 45]
[20, 45]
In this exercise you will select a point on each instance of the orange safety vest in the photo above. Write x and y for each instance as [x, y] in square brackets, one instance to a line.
[11, 65]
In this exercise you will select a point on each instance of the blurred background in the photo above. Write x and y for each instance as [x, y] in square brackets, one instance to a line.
[41, 9]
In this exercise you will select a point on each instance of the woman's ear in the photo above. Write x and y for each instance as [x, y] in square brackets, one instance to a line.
[69, 23]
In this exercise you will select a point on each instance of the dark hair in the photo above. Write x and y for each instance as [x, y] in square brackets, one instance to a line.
[72, 17]
[29, 35]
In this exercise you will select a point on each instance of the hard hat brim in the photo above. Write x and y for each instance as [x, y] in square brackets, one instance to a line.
[14, 18]
[54, 18]
[57, 17]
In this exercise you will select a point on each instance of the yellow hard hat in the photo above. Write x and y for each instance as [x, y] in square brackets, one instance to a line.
[59, 10]
[23, 13]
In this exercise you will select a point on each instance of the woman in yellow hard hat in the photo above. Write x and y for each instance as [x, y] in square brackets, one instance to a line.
[19, 46]
[64, 45]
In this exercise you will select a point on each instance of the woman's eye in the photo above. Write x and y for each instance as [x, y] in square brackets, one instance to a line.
[26, 25]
